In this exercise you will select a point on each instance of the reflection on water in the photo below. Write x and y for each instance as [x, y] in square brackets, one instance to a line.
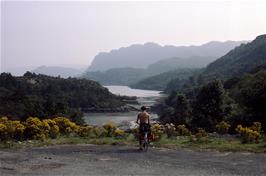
[145, 97]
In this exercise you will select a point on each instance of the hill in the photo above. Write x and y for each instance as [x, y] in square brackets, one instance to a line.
[240, 60]
[117, 76]
[131, 76]
[45, 96]
[63, 72]
[160, 81]
[141, 56]
[165, 65]
[246, 58]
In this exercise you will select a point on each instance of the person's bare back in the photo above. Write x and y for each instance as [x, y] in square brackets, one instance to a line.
[143, 117]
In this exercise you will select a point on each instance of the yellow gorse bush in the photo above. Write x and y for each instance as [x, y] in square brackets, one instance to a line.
[3, 120]
[119, 133]
[36, 129]
[3, 132]
[65, 125]
[157, 130]
[201, 133]
[53, 128]
[222, 127]
[170, 130]
[99, 132]
[85, 131]
[17, 130]
[249, 134]
[13, 129]
[110, 127]
[183, 131]
[257, 127]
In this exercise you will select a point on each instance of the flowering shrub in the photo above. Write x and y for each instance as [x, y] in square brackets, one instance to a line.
[65, 125]
[3, 120]
[13, 129]
[248, 135]
[119, 133]
[201, 133]
[36, 129]
[135, 132]
[99, 132]
[85, 131]
[17, 130]
[257, 127]
[183, 131]
[110, 127]
[170, 130]
[3, 132]
[53, 129]
[157, 130]
[222, 127]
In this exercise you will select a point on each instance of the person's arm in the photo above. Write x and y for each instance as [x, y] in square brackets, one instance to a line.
[149, 119]
[137, 121]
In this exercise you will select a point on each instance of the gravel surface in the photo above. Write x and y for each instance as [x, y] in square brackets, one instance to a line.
[121, 160]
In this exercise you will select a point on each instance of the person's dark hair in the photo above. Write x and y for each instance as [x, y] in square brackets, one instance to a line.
[143, 108]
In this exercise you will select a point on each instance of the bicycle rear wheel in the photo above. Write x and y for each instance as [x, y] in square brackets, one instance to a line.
[145, 146]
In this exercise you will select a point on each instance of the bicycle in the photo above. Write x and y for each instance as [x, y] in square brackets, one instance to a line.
[145, 141]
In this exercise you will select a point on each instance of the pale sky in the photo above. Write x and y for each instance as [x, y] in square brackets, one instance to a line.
[63, 33]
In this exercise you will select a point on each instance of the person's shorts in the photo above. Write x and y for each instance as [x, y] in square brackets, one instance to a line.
[144, 127]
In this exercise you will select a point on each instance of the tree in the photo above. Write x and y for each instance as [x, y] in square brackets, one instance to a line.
[183, 111]
[250, 94]
[209, 106]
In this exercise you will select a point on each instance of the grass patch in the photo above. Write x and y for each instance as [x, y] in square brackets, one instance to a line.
[128, 140]
[212, 143]
[207, 143]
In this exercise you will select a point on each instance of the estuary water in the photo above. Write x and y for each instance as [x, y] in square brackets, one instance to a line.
[144, 97]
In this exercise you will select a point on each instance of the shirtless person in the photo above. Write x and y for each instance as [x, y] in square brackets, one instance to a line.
[144, 123]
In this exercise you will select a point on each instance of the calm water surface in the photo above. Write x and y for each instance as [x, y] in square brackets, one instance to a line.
[145, 97]
[125, 90]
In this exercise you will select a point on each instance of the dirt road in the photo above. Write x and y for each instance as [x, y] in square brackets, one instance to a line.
[120, 160]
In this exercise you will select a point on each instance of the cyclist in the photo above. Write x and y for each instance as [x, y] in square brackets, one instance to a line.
[143, 120]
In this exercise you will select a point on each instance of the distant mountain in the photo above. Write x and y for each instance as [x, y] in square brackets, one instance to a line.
[240, 60]
[18, 71]
[245, 59]
[117, 76]
[141, 56]
[134, 76]
[160, 81]
[166, 65]
[64, 72]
